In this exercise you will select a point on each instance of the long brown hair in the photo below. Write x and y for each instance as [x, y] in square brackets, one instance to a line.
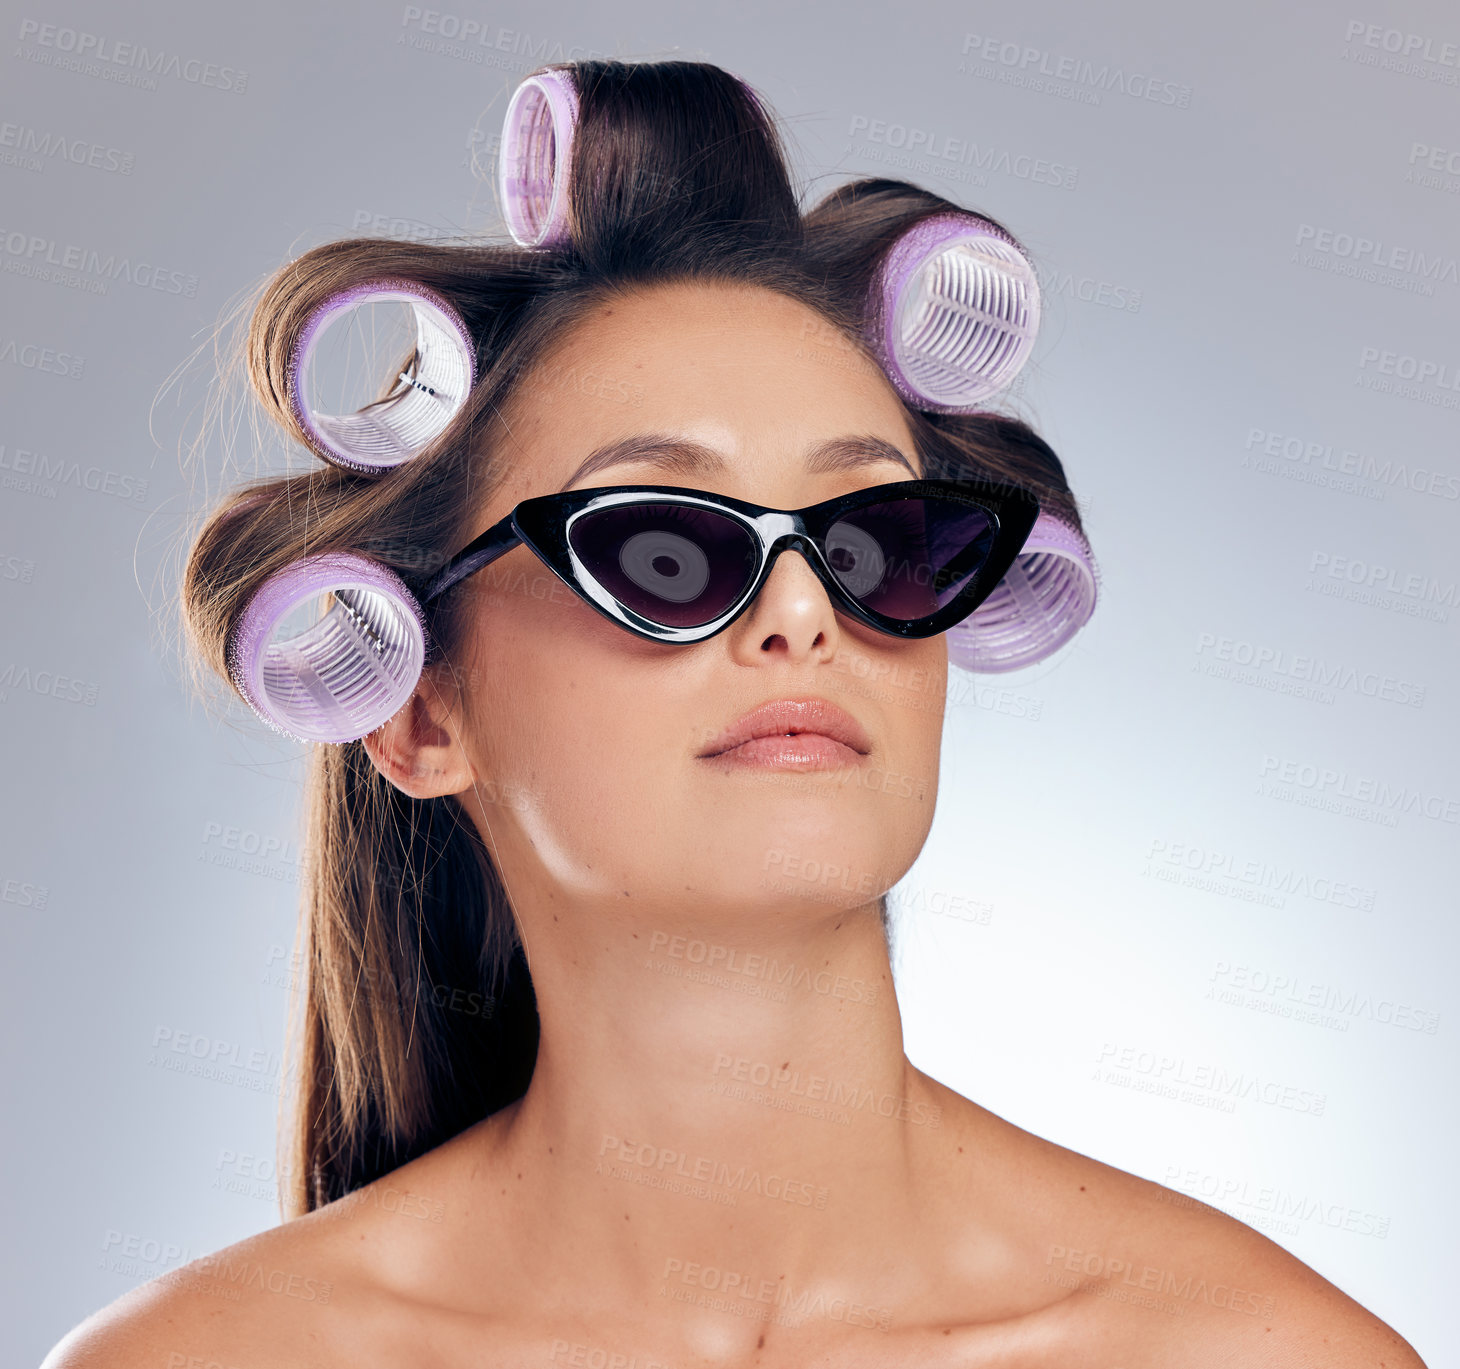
[416, 1015]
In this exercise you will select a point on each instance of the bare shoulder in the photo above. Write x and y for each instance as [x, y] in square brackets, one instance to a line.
[1158, 1276]
[286, 1297]
[1252, 1295]
[338, 1286]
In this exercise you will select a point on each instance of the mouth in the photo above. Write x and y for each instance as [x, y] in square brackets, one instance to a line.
[799, 734]
[794, 751]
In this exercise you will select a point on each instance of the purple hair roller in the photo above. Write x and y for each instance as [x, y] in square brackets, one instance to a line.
[341, 675]
[532, 167]
[1045, 598]
[536, 153]
[953, 312]
[394, 430]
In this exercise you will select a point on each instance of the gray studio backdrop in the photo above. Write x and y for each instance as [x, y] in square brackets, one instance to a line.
[1189, 901]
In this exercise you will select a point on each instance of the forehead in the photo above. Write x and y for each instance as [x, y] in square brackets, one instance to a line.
[754, 375]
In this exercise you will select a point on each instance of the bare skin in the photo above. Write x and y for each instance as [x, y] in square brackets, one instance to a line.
[615, 1209]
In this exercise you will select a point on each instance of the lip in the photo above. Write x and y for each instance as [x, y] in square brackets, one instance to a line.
[824, 734]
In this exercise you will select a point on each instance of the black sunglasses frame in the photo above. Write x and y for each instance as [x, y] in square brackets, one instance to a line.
[542, 523]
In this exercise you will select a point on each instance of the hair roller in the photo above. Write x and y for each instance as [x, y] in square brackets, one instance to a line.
[536, 152]
[533, 166]
[953, 312]
[1044, 599]
[341, 676]
[395, 429]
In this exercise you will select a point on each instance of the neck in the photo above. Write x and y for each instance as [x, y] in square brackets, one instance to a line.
[738, 1100]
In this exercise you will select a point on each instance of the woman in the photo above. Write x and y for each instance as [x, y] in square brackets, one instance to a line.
[600, 1058]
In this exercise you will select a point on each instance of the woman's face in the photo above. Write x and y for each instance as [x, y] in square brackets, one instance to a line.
[584, 741]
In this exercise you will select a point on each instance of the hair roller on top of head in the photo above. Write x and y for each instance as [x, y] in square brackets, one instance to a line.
[533, 166]
[435, 387]
[953, 312]
[341, 676]
[536, 152]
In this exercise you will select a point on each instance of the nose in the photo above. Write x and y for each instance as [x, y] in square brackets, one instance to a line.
[792, 604]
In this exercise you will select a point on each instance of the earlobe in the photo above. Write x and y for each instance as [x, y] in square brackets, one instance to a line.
[418, 750]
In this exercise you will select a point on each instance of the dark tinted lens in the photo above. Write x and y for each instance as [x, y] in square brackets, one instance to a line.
[907, 558]
[676, 565]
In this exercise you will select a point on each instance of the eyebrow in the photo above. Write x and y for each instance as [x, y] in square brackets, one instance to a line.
[679, 456]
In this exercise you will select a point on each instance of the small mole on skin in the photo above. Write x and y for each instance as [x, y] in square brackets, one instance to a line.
[1082, 1188]
[761, 1341]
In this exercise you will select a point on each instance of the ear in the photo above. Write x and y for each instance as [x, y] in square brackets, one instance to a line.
[420, 750]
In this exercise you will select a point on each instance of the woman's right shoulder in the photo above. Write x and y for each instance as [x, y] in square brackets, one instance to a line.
[288, 1296]
[334, 1286]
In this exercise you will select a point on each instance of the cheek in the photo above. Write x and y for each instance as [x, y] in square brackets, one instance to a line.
[917, 687]
[575, 764]
[556, 692]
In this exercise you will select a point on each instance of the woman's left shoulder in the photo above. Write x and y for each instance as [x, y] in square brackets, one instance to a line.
[1255, 1295]
[1172, 1271]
